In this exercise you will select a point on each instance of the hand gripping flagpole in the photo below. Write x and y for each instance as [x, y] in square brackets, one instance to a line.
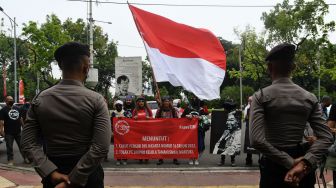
[157, 94]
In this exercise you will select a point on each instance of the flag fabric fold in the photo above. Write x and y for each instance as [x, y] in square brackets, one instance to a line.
[182, 55]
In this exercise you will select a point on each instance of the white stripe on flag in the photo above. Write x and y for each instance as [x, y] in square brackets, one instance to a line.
[196, 75]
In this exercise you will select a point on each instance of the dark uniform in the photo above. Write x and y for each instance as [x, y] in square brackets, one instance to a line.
[278, 117]
[76, 130]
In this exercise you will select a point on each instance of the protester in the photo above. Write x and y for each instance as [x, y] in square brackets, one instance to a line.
[178, 106]
[10, 127]
[203, 125]
[119, 112]
[187, 109]
[229, 143]
[278, 117]
[325, 103]
[166, 110]
[331, 160]
[204, 107]
[74, 123]
[129, 106]
[24, 109]
[247, 146]
[142, 112]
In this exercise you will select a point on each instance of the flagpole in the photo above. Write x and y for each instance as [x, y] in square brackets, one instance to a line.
[155, 83]
[154, 79]
[240, 80]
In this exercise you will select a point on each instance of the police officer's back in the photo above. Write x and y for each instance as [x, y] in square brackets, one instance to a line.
[73, 124]
[278, 116]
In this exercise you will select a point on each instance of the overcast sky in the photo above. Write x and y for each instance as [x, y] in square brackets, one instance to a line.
[221, 21]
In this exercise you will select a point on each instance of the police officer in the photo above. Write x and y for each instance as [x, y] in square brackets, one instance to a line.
[74, 124]
[278, 117]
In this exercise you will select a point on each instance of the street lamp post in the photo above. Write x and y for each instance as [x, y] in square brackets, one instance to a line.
[13, 23]
[92, 79]
[240, 79]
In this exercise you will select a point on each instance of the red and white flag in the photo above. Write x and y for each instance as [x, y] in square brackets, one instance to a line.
[182, 55]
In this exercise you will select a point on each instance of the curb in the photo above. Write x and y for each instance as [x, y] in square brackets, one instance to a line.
[16, 168]
[150, 170]
[185, 170]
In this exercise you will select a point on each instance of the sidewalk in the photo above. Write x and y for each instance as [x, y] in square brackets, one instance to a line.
[149, 178]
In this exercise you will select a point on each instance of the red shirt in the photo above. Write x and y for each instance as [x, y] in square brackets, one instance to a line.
[141, 113]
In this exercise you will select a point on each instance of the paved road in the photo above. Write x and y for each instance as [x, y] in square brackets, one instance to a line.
[10, 177]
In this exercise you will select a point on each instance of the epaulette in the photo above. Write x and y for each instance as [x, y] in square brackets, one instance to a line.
[261, 96]
[35, 102]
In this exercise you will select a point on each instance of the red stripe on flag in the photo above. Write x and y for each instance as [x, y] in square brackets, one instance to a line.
[178, 40]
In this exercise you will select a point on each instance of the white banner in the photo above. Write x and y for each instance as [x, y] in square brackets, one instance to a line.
[128, 73]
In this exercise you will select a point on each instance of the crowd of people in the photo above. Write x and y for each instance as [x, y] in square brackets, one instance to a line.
[140, 110]
[13, 117]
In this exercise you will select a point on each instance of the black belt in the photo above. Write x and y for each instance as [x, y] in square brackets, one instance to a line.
[67, 162]
[295, 152]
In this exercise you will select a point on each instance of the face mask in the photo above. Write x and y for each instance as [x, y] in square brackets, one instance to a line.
[118, 108]
[10, 103]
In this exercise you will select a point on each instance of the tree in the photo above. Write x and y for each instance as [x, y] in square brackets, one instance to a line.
[232, 63]
[7, 60]
[253, 52]
[295, 24]
[105, 52]
[303, 24]
[43, 40]
[233, 92]
[105, 61]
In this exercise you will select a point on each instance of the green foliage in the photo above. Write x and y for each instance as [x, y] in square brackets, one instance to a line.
[164, 91]
[232, 63]
[253, 52]
[304, 25]
[105, 61]
[324, 92]
[295, 24]
[147, 75]
[42, 40]
[104, 51]
[233, 92]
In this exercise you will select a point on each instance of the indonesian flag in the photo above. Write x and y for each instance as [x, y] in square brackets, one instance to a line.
[182, 55]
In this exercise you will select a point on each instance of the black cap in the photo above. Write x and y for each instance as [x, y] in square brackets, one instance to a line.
[166, 98]
[229, 105]
[283, 51]
[140, 98]
[71, 49]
